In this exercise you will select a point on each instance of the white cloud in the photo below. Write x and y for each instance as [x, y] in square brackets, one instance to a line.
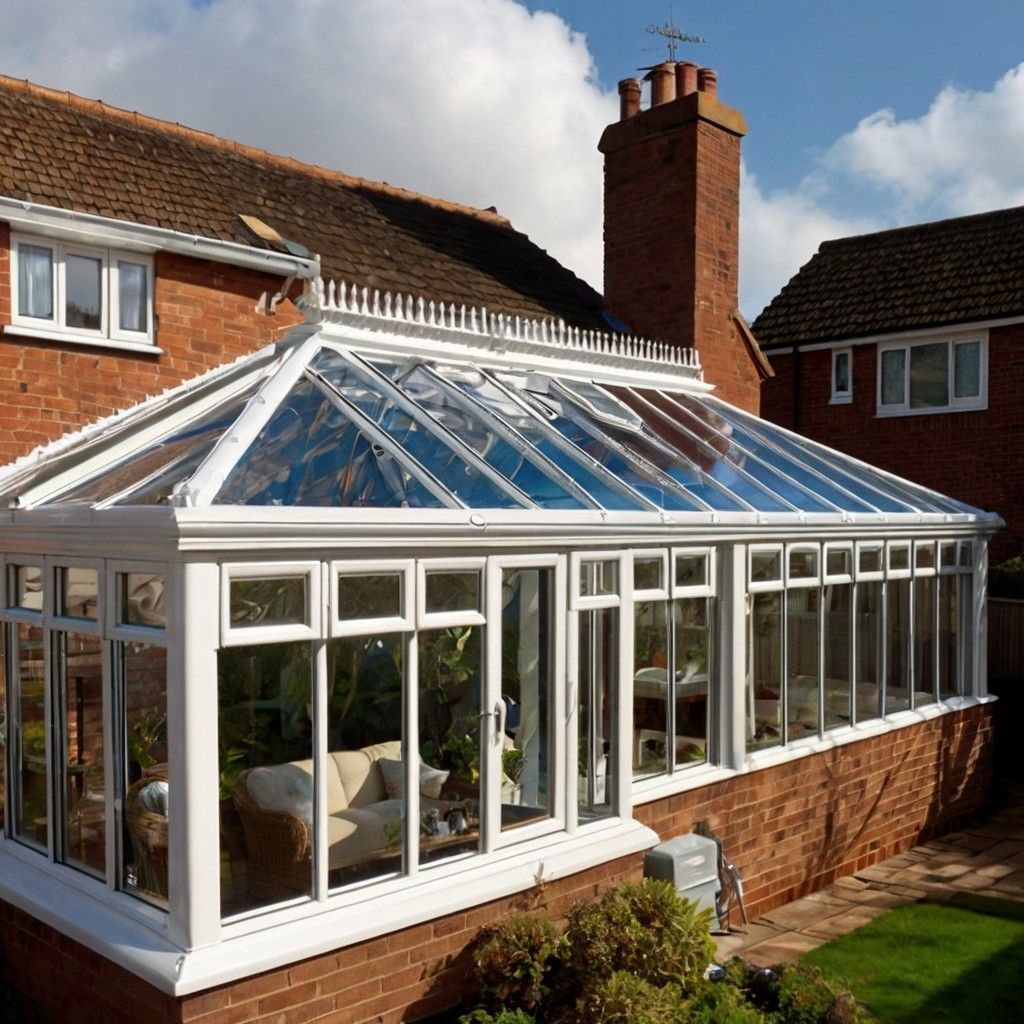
[480, 102]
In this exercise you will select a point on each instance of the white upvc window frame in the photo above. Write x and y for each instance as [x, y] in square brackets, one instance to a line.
[837, 577]
[798, 582]
[57, 327]
[895, 573]
[241, 636]
[766, 586]
[966, 404]
[925, 570]
[18, 613]
[463, 617]
[841, 396]
[667, 566]
[53, 565]
[861, 575]
[405, 621]
[706, 589]
[578, 601]
[117, 630]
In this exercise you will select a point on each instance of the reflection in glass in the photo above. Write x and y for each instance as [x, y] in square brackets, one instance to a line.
[869, 559]
[30, 813]
[27, 587]
[83, 276]
[692, 656]
[765, 566]
[143, 846]
[967, 369]
[929, 375]
[598, 712]
[365, 767]
[803, 691]
[949, 632]
[924, 640]
[369, 595]
[141, 599]
[598, 579]
[265, 737]
[899, 557]
[897, 647]
[78, 593]
[691, 570]
[838, 646]
[803, 565]
[869, 650]
[527, 691]
[894, 376]
[647, 574]
[79, 674]
[452, 591]
[764, 696]
[275, 601]
[449, 726]
[35, 281]
[837, 562]
[650, 688]
[133, 297]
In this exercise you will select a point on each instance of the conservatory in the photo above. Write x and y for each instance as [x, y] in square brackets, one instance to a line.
[410, 611]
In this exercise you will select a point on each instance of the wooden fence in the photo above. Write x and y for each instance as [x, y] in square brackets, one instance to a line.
[1005, 639]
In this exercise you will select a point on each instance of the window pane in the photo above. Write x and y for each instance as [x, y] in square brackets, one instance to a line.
[364, 743]
[141, 599]
[924, 641]
[894, 365]
[692, 617]
[949, 631]
[967, 369]
[838, 645]
[453, 591]
[870, 559]
[869, 647]
[143, 671]
[26, 582]
[924, 556]
[31, 815]
[78, 593]
[648, 573]
[83, 292]
[449, 724]
[650, 689]
[803, 565]
[527, 690]
[264, 700]
[897, 648]
[35, 281]
[133, 297]
[598, 712]
[842, 373]
[691, 570]
[802, 662]
[4, 656]
[764, 701]
[376, 596]
[929, 376]
[837, 562]
[899, 557]
[599, 579]
[83, 828]
[276, 601]
[765, 566]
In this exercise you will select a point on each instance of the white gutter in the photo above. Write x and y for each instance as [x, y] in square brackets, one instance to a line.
[107, 231]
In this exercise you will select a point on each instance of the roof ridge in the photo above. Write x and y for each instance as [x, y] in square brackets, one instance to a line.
[196, 135]
[924, 226]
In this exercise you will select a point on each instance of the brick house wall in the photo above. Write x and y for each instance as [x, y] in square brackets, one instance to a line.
[792, 829]
[205, 315]
[977, 457]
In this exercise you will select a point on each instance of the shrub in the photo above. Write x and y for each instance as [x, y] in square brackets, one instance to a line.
[645, 928]
[806, 997]
[624, 998]
[721, 1002]
[514, 959]
[501, 1017]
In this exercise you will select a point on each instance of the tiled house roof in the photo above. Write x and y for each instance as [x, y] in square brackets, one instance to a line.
[949, 272]
[60, 150]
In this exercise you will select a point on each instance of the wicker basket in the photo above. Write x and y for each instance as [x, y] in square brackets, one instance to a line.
[148, 832]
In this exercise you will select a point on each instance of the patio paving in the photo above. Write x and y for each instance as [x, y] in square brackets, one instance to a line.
[987, 859]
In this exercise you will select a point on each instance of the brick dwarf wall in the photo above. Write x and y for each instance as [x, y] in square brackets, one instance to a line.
[205, 316]
[791, 829]
[977, 457]
[671, 234]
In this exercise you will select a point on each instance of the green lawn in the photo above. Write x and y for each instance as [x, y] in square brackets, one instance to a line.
[961, 961]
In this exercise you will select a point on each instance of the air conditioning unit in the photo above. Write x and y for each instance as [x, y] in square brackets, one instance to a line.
[690, 863]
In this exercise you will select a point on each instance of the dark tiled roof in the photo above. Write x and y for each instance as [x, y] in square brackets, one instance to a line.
[949, 272]
[61, 150]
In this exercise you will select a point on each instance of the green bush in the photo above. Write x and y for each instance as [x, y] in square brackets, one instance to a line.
[643, 927]
[514, 960]
[806, 997]
[721, 1002]
[625, 998]
[1007, 578]
[501, 1017]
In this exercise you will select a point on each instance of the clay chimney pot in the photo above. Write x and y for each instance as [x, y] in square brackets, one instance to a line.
[707, 81]
[686, 78]
[629, 98]
[663, 83]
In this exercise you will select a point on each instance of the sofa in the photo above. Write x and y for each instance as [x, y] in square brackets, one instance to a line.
[275, 805]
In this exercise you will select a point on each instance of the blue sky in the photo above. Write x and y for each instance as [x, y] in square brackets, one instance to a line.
[862, 116]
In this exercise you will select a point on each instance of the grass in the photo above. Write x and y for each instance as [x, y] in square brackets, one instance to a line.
[961, 961]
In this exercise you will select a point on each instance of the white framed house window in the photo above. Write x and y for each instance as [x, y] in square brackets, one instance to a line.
[842, 376]
[934, 375]
[263, 603]
[81, 293]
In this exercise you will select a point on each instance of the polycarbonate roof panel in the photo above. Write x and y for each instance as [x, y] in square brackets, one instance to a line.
[330, 428]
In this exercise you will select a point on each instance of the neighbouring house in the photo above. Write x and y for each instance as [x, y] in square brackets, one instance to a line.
[386, 614]
[902, 348]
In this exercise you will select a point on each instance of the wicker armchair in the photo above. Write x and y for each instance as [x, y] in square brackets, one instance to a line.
[148, 833]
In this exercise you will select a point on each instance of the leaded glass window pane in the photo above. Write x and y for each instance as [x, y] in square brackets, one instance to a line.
[967, 369]
[35, 281]
[929, 376]
[894, 373]
[83, 291]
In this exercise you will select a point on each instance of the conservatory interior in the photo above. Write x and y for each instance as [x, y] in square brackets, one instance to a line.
[420, 592]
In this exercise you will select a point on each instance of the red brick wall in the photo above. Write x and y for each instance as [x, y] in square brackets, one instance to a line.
[977, 457]
[791, 830]
[205, 316]
[671, 236]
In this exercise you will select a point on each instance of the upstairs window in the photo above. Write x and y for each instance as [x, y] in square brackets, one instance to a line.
[933, 376]
[81, 293]
[842, 376]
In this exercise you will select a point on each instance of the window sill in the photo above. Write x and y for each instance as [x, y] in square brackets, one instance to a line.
[68, 337]
[660, 786]
[841, 400]
[886, 414]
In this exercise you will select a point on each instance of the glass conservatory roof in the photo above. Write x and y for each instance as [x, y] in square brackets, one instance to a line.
[331, 419]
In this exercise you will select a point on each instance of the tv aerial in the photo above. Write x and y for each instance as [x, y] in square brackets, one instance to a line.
[672, 35]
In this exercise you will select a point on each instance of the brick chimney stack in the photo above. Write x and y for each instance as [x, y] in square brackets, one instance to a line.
[671, 223]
